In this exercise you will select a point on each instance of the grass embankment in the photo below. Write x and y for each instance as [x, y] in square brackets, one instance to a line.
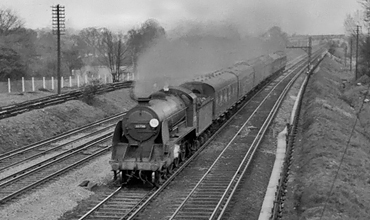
[327, 119]
[40, 124]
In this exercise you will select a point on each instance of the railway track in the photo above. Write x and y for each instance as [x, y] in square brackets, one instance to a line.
[57, 143]
[208, 191]
[205, 187]
[277, 211]
[121, 202]
[57, 146]
[12, 110]
[38, 174]
[26, 168]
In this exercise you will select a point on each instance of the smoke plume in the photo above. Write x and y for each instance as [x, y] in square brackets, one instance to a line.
[193, 49]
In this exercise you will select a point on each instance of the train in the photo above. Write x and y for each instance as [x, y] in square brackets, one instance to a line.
[164, 129]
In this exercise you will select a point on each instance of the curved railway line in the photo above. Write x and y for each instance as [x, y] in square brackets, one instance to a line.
[56, 158]
[33, 151]
[208, 190]
[39, 174]
[15, 109]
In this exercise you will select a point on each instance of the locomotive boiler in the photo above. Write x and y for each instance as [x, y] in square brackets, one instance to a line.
[167, 127]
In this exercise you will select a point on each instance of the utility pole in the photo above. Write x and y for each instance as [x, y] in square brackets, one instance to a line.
[357, 33]
[308, 50]
[118, 61]
[345, 56]
[58, 29]
[350, 55]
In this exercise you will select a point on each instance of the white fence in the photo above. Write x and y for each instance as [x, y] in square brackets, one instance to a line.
[51, 83]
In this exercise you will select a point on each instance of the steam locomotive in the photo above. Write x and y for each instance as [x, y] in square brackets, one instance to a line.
[167, 127]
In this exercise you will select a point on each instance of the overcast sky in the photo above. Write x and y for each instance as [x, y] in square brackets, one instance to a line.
[253, 16]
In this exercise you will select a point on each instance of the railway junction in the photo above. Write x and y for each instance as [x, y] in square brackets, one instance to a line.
[68, 176]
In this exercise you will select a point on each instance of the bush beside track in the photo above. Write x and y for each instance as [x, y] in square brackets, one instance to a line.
[326, 122]
[43, 123]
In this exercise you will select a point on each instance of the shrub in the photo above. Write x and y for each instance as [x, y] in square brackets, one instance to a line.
[89, 91]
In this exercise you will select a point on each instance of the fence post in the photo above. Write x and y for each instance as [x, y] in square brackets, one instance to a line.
[33, 84]
[78, 81]
[105, 78]
[52, 83]
[23, 84]
[43, 82]
[70, 81]
[61, 82]
[9, 85]
[85, 79]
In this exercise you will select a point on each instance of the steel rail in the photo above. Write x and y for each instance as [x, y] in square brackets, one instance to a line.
[40, 153]
[101, 203]
[223, 151]
[46, 163]
[137, 208]
[14, 194]
[59, 137]
[15, 109]
[134, 213]
[248, 154]
[278, 206]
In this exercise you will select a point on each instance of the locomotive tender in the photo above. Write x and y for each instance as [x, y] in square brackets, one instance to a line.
[165, 128]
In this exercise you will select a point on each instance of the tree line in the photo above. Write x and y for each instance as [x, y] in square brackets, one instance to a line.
[27, 52]
[357, 27]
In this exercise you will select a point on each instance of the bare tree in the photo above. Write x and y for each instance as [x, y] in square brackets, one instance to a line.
[366, 6]
[112, 52]
[91, 37]
[350, 25]
[9, 22]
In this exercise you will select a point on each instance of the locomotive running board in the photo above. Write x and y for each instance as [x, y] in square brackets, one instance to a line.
[182, 133]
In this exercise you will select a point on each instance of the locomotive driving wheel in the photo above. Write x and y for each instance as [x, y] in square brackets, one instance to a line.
[115, 176]
[196, 144]
[170, 169]
[176, 162]
[182, 153]
[125, 177]
[159, 177]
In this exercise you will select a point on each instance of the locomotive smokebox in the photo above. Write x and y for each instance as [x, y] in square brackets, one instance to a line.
[143, 101]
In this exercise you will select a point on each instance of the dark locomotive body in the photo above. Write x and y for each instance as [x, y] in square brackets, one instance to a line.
[164, 129]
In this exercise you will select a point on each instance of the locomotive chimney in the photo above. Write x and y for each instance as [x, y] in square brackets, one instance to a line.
[143, 101]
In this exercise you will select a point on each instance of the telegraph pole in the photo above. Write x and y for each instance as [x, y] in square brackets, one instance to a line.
[58, 29]
[350, 55]
[357, 33]
[308, 50]
[345, 56]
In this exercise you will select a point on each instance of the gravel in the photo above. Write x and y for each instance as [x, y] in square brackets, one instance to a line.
[52, 200]
[249, 198]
